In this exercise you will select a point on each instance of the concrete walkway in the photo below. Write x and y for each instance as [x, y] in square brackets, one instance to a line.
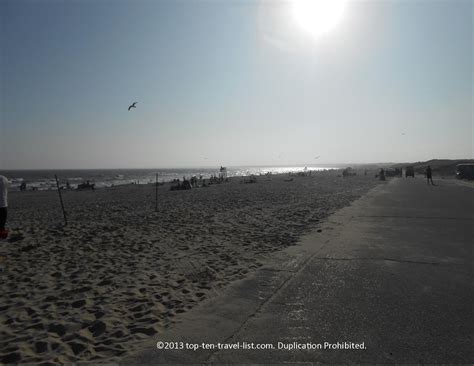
[394, 271]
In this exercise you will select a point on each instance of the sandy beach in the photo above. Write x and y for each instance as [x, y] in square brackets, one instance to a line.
[120, 273]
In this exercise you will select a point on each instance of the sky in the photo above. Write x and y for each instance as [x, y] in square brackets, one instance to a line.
[232, 83]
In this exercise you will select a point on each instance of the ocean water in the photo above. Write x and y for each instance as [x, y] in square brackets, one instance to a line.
[44, 179]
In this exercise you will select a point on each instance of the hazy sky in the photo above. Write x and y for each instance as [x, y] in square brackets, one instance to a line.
[232, 83]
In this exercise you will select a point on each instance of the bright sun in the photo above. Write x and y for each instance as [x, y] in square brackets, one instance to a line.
[318, 16]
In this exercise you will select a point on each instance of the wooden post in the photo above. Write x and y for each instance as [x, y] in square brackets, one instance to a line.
[61, 200]
[156, 193]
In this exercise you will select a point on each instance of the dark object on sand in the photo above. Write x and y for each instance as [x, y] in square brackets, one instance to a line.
[250, 179]
[133, 105]
[410, 171]
[186, 184]
[429, 175]
[465, 171]
[181, 186]
[85, 186]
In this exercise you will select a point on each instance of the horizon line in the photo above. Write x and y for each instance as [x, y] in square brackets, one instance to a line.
[238, 166]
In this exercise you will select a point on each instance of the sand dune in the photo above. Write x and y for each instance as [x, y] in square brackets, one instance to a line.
[120, 273]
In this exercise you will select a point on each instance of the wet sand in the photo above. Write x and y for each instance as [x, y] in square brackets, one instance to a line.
[120, 273]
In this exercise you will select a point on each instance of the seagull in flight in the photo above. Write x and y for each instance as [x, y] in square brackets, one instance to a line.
[133, 105]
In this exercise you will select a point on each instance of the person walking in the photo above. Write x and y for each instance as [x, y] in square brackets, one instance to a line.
[3, 206]
[429, 176]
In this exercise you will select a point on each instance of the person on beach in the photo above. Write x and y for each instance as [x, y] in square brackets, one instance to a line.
[382, 174]
[429, 177]
[3, 205]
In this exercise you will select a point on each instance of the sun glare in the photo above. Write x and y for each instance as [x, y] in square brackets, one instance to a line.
[318, 17]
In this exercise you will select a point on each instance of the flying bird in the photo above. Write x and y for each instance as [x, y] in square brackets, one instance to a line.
[133, 105]
[317, 157]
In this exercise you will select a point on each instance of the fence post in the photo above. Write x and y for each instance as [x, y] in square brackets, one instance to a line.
[156, 193]
[61, 200]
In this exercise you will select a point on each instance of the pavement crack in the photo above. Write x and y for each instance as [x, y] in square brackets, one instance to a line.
[277, 270]
[414, 217]
[381, 259]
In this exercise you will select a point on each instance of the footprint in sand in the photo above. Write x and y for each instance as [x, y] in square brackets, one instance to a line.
[147, 331]
[168, 304]
[97, 328]
[13, 357]
[77, 347]
[59, 329]
[41, 347]
[78, 303]
[98, 314]
[138, 308]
